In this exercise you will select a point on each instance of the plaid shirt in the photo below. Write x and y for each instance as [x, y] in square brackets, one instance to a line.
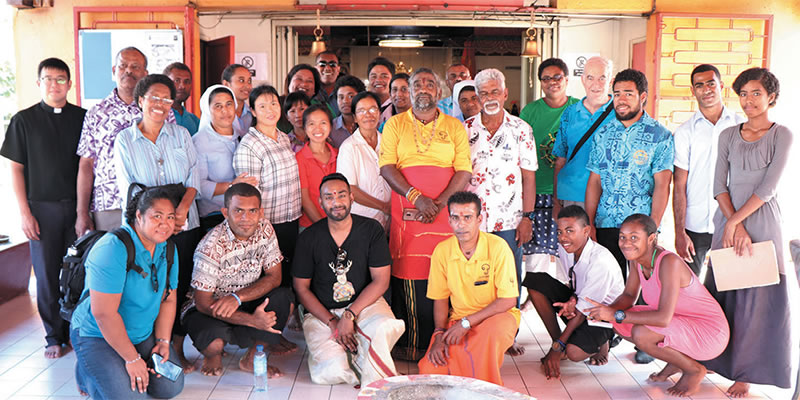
[273, 163]
[100, 128]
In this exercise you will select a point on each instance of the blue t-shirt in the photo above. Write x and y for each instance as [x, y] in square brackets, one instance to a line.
[188, 121]
[139, 304]
[575, 121]
[626, 160]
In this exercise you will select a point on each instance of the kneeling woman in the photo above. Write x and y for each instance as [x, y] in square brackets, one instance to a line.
[126, 317]
[681, 322]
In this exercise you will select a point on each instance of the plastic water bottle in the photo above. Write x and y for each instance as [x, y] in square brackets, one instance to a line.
[260, 369]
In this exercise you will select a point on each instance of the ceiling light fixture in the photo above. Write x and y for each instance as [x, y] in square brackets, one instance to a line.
[401, 43]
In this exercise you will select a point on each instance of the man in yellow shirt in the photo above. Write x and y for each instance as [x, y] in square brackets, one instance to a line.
[424, 158]
[475, 273]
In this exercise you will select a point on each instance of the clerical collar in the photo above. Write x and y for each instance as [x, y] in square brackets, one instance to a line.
[53, 110]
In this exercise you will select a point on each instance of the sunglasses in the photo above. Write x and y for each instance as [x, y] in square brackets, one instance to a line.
[154, 277]
[323, 64]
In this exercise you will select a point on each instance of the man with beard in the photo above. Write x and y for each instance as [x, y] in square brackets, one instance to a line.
[474, 289]
[424, 158]
[341, 271]
[696, 140]
[236, 296]
[503, 168]
[97, 177]
[630, 165]
[544, 117]
[181, 75]
[327, 63]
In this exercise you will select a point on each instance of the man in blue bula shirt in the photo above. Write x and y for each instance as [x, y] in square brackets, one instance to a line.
[570, 174]
[630, 165]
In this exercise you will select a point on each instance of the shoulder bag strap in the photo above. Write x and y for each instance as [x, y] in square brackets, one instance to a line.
[591, 130]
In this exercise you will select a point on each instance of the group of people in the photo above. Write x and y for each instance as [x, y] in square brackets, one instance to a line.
[389, 222]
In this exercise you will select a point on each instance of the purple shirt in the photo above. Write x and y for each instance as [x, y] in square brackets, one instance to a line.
[100, 128]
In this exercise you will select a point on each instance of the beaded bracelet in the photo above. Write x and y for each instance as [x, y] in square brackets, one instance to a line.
[138, 357]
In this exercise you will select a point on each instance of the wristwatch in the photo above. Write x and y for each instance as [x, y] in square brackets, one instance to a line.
[529, 215]
[465, 323]
[619, 316]
[559, 346]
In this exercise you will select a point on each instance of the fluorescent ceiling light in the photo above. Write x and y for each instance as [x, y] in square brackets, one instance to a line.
[405, 43]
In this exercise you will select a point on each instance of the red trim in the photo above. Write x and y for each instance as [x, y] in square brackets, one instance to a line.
[384, 368]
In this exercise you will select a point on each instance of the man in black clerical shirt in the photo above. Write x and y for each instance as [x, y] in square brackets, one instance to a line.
[40, 144]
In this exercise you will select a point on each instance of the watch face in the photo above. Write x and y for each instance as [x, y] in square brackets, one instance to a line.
[465, 324]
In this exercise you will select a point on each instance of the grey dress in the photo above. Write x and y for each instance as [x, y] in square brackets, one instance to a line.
[758, 351]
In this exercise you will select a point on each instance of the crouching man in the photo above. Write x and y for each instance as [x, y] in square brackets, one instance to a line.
[341, 270]
[236, 295]
[474, 272]
[593, 272]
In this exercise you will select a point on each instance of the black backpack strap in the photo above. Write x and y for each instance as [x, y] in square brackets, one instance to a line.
[126, 239]
[170, 261]
[591, 130]
[133, 187]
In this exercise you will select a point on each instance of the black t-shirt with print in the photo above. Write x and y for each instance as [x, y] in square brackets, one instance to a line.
[315, 257]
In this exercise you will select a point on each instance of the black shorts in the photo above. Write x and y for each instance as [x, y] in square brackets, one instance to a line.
[204, 329]
[588, 338]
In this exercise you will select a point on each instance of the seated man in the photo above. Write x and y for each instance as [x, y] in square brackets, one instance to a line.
[341, 270]
[475, 272]
[236, 295]
[593, 272]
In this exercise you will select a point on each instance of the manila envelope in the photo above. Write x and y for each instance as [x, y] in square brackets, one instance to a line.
[733, 272]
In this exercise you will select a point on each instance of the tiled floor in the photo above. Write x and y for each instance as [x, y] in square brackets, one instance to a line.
[26, 374]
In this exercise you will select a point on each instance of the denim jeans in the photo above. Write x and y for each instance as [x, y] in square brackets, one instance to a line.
[508, 236]
[100, 371]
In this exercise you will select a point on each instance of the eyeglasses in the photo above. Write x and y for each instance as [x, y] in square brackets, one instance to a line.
[364, 111]
[554, 78]
[156, 99]
[49, 81]
[323, 64]
[154, 277]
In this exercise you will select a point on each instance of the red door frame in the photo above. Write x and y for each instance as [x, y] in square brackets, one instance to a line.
[188, 33]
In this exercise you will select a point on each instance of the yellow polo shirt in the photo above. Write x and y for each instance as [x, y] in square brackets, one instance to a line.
[473, 284]
[403, 145]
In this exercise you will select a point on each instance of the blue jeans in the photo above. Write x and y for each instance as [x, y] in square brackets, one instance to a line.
[508, 236]
[101, 372]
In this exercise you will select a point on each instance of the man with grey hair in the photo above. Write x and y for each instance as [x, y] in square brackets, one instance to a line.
[97, 177]
[578, 120]
[504, 167]
[425, 158]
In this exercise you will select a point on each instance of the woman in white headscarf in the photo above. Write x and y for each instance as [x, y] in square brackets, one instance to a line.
[215, 143]
[468, 105]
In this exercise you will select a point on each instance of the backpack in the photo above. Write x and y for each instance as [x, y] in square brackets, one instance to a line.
[73, 271]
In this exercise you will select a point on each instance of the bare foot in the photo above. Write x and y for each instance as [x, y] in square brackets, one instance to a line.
[273, 372]
[282, 348]
[188, 366]
[295, 323]
[665, 373]
[688, 384]
[81, 392]
[738, 390]
[54, 351]
[601, 357]
[212, 366]
[515, 349]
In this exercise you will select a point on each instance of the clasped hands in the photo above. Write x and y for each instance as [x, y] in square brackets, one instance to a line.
[344, 333]
[442, 340]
